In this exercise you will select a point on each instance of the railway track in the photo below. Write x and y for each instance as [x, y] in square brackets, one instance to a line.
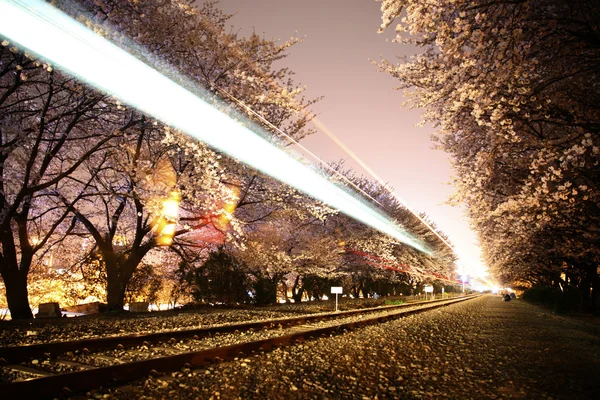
[58, 369]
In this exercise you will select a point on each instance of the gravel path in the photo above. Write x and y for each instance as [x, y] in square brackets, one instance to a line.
[480, 349]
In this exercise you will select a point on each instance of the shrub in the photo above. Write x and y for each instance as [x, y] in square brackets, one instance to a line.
[554, 298]
[221, 279]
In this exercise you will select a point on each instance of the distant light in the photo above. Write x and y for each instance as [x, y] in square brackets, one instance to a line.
[55, 36]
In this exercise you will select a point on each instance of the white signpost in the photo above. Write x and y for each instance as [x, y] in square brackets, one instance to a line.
[337, 290]
[428, 289]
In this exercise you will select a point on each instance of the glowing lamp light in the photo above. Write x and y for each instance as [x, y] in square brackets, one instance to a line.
[166, 235]
[166, 227]
[171, 206]
[229, 207]
[48, 32]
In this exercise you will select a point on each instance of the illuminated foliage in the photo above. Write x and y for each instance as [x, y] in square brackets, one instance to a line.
[371, 258]
[83, 166]
[47, 125]
[114, 196]
[513, 88]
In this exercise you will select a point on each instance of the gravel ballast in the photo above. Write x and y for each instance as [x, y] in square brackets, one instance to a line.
[20, 333]
[481, 349]
[15, 333]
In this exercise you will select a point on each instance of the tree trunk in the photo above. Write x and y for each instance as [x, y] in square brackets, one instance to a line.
[595, 295]
[317, 294]
[115, 293]
[117, 279]
[284, 290]
[17, 297]
[589, 288]
[119, 271]
[297, 290]
[297, 295]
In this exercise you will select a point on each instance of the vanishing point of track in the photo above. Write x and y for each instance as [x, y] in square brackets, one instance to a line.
[167, 358]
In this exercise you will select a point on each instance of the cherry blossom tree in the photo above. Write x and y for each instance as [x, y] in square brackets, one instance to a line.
[372, 257]
[203, 54]
[132, 206]
[513, 88]
[118, 196]
[48, 126]
[291, 243]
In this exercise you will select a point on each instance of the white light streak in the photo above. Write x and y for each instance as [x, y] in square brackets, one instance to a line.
[48, 32]
[372, 173]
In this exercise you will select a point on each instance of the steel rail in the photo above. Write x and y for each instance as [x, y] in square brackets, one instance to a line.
[17, 354]
[74, 382]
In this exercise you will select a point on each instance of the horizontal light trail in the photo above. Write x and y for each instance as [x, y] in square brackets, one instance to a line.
[48, 32]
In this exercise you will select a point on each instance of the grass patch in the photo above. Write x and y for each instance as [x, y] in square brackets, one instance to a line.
[394, 302]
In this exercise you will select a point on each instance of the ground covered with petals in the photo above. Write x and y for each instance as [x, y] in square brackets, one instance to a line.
[480, 349]
[19, 333]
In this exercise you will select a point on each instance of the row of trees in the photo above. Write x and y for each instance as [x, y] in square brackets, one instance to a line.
[93, 190]
[223, 279]
[294, 252]
[513, 88]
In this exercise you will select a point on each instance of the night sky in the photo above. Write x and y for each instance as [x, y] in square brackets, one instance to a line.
[360, 105]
